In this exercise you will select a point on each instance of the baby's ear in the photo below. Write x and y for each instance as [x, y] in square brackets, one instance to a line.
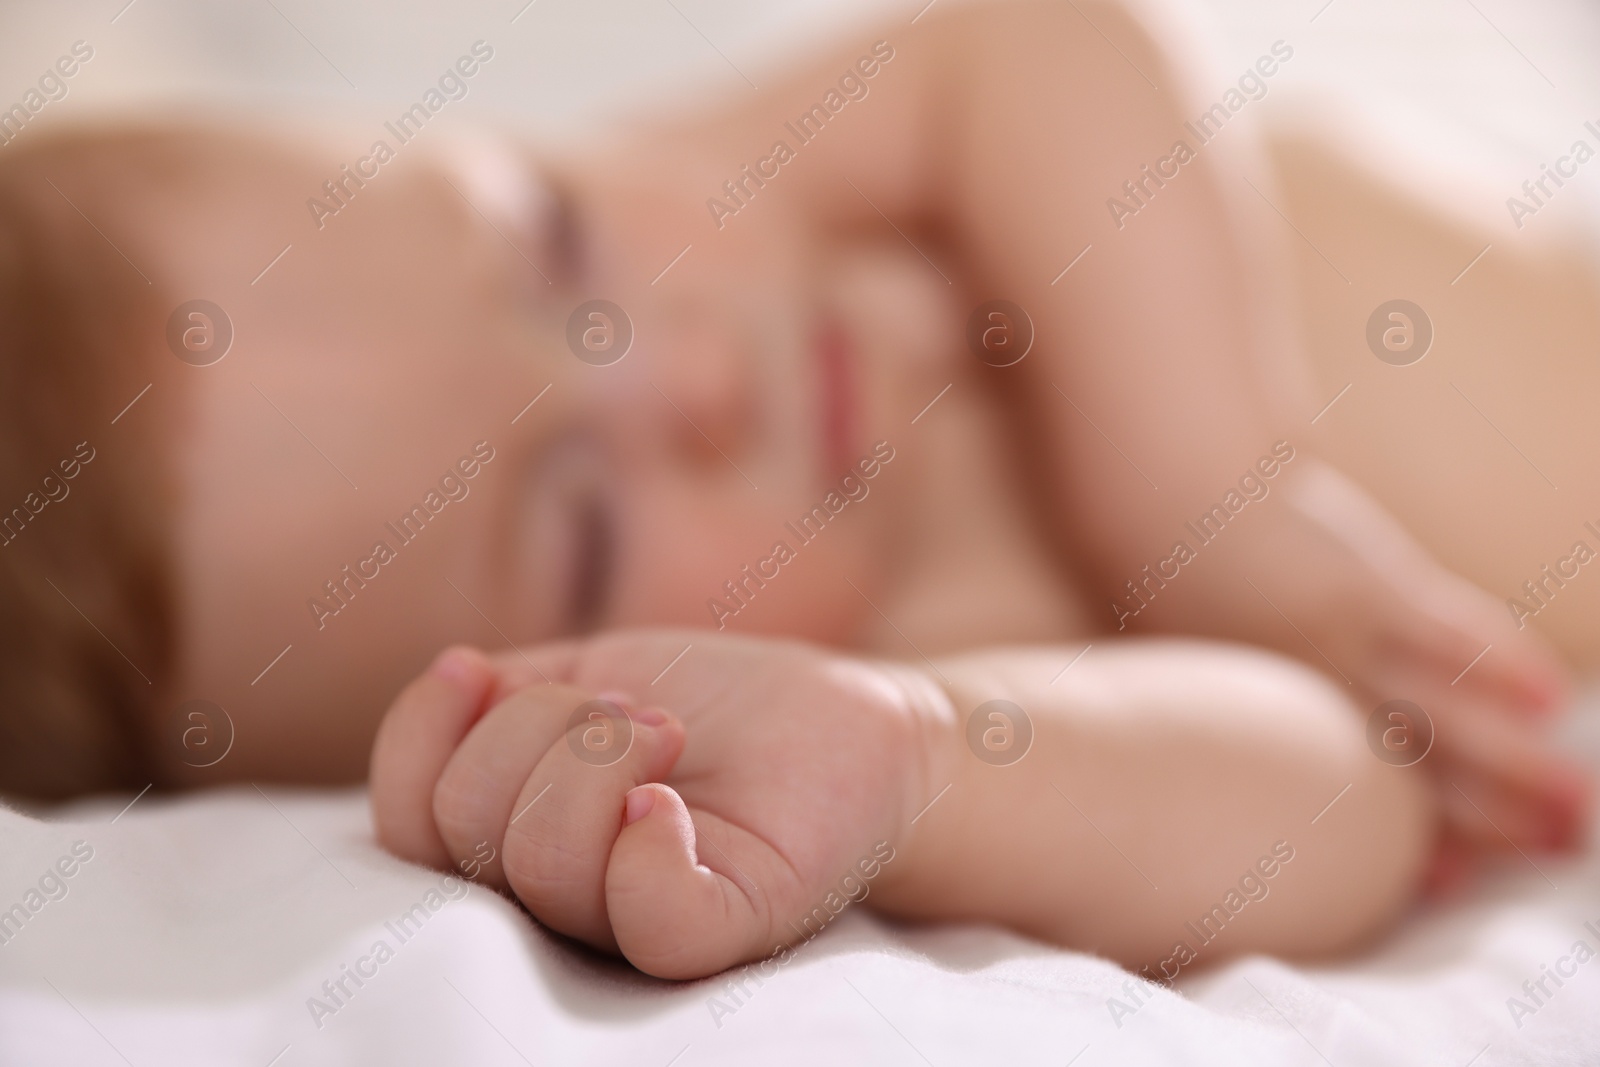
[420, 732]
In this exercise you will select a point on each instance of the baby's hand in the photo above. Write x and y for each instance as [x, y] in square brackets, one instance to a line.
[689, 826]
[1402, 625]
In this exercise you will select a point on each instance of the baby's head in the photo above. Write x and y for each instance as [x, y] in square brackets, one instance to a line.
[410, 440]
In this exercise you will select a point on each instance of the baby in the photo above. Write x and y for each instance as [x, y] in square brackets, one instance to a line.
[825, 473]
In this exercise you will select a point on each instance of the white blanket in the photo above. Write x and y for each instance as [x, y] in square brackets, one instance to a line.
[201, 930]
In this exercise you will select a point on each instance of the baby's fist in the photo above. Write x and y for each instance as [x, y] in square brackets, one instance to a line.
[688, 840]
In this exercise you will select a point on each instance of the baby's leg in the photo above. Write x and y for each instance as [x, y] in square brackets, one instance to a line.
[1176, 793]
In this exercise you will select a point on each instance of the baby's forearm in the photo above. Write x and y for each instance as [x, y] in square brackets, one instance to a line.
[1161, 779]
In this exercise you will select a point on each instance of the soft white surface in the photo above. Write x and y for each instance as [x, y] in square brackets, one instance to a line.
[1501, 83]
[202, 926]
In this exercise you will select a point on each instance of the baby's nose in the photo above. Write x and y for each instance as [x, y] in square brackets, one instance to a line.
[701, 381]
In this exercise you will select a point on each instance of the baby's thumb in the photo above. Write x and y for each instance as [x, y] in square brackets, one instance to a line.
[674, 912]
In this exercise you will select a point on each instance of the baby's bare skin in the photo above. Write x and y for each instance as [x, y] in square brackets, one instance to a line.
[1016, 510]
[1186, 317]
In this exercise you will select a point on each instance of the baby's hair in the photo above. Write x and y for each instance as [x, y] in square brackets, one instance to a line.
[86, 584]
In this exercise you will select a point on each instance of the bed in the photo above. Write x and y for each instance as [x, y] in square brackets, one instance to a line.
[241, 926]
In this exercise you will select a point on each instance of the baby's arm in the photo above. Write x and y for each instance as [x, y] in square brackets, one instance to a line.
[778, 781]
[996, 138]
[1160, 773]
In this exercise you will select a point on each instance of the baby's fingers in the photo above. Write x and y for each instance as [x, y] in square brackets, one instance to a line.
[1475, 732]
[681, 906]
[1483, 813]
[414, 743]
[566, 819]
[1518, 760]
[1466, 638]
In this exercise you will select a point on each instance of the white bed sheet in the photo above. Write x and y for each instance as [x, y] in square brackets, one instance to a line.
[203, 926]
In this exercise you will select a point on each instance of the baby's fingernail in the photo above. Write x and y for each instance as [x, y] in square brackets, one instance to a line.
[622, 700]
[639, 801]
[650, 716]
[454, 665]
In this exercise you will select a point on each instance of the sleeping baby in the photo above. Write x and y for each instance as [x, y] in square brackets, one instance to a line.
[826, 499]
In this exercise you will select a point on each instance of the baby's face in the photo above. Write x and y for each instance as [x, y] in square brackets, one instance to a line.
[402, 449]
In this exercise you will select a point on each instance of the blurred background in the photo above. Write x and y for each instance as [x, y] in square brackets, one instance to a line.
[1499, 82]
